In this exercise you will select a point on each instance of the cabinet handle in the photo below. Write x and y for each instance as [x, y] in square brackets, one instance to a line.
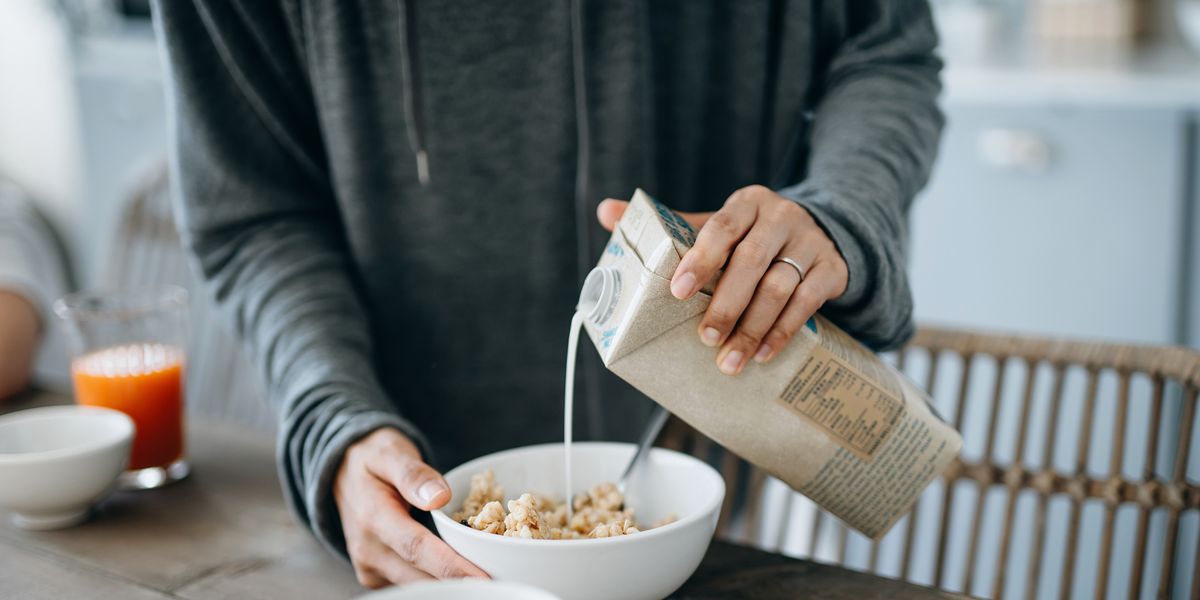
[1018, 150]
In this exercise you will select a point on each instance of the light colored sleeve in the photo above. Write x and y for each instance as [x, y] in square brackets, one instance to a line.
[33, 265]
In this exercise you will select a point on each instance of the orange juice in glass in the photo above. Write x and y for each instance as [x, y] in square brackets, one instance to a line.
[128, 355]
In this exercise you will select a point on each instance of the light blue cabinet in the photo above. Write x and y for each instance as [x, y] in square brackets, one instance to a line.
[1065, 220]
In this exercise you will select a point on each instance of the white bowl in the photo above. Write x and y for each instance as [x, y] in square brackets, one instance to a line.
[461, 589]
[648, 564]
[56, 461]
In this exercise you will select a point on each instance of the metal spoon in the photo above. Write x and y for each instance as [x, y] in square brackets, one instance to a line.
[657, 420]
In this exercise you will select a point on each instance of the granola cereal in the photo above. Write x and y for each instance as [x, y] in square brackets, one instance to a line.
[490, 518]
[483, 490]
[615, 528]
[604, 496]
[523, 520]
[599, 513]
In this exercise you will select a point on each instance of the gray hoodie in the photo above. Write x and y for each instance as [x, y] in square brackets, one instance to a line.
[394, 201]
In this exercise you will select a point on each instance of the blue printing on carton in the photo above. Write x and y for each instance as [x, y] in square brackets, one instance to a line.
[606, 338]
[680, 229]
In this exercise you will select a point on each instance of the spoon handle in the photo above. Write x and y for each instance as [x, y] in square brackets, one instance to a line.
[657, 420]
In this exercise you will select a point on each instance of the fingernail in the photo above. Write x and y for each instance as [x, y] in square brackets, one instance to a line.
[684, 285]
[430, 490]
[764, 351]
[710, 337]
[732, 361]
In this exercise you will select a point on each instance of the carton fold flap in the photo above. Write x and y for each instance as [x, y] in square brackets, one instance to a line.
[658, 312]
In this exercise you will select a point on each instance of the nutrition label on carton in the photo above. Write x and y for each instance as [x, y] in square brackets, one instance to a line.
[856, 412]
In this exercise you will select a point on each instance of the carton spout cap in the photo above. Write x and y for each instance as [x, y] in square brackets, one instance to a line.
[598, 298]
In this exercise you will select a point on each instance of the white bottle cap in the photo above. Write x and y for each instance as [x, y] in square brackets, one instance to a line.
[598, 298]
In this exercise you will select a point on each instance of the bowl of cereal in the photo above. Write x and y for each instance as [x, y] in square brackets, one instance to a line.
[507, 515]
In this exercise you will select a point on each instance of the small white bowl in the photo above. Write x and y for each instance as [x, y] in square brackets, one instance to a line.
[461, 589]
[648, 564]
[56, 461]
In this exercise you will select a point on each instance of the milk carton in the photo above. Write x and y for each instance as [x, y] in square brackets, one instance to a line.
[826, 416]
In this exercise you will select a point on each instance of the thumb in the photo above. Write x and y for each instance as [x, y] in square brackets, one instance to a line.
[609, 212]
[695, 219]
[418, 483]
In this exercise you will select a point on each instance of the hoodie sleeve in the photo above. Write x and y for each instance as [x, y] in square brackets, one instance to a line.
[875, 135]
[256, 209]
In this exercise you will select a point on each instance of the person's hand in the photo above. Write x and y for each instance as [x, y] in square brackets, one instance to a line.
[759, 303]
[381, 477]
[18, 342]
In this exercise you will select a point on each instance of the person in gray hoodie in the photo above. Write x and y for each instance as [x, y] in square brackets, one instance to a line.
[395, 202]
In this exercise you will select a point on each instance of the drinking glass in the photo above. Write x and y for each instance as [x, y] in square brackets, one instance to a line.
[127, 349]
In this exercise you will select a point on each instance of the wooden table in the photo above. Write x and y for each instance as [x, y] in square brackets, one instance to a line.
[226, 533]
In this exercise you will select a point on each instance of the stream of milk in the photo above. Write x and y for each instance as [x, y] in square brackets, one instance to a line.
[569, 406]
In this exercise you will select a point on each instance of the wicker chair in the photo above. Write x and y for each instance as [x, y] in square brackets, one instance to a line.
[1093, 440]
[146, 250]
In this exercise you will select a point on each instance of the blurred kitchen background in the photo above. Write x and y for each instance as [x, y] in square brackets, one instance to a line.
[1063, 202]
[1066, 199]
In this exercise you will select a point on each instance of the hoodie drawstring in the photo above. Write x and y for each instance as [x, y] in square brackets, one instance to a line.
[410, 70]
[414, 118]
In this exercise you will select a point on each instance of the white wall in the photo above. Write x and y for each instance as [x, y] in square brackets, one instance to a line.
[39, 130]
